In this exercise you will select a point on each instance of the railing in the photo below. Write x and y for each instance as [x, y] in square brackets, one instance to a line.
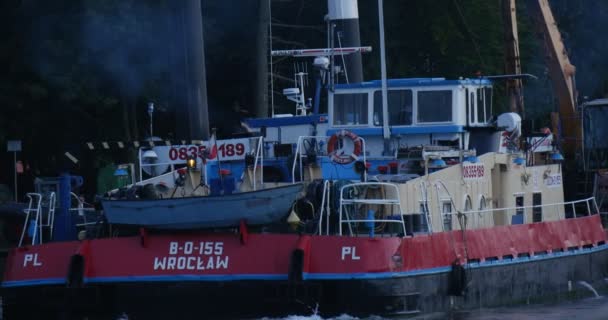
[34, 198]
[588, 202]
[315, 142]
[259, 154]
[325, 205]
[392, 201]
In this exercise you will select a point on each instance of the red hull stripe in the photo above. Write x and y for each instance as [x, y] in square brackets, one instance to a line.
[223, 257]
[306, 276]
[188, 277]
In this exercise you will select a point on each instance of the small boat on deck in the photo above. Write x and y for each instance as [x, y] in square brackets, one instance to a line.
[259, 207]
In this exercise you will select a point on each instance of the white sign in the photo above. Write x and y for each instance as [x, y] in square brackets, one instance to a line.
[13, 145]
[232, 149]
[553, 180]
[541, 144]
[473, 171]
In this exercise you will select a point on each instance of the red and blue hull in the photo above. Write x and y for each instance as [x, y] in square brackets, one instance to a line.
[240, 275]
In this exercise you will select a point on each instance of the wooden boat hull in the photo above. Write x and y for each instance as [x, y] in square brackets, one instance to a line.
[255, 207]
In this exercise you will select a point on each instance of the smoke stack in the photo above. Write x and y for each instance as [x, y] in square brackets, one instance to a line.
[190, 91]
[344, 14]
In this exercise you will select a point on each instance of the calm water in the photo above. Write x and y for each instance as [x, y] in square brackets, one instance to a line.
[587, 309]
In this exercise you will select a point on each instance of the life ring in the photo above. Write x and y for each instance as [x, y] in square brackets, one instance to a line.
[337, 155]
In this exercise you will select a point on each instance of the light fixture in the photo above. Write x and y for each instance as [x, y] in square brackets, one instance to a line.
[471, 159]
[438, 163]
[191, 162]
[519, 161]
[556, 156]
[121, 172]
[150, 155]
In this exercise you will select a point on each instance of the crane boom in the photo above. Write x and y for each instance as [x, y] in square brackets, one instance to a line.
[562, 76]
[512, 58]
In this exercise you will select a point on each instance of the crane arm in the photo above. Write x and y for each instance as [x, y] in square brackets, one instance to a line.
[562, 75]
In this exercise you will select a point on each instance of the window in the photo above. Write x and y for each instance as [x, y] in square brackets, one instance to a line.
[472, 108]
[537, 210]
[447, 216]
[518, 218]
[435, 106]
[467, 204]
[399, 107]
[350, 109]
[483, 112]
[482, 204]
[481, 118]
[488, 106]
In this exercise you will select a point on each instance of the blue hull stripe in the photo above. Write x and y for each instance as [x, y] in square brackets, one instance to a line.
[33, 282]
[307, 276]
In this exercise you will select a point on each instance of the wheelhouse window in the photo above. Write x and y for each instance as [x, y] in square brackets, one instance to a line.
[399, 107]
[350, 109]
[484, 104]
[435, 106]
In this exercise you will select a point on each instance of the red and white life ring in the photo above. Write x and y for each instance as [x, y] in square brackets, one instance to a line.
[338, 155]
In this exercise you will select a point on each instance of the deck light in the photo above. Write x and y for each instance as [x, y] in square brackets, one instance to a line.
[191, 162]
[556, 156]
[519, 161]
[121, 172]
[150, 155]
[471, 159]
[438, 163]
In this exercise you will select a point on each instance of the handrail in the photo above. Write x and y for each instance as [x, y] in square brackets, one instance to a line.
[38, 198]
[387, 201]
[587, 200]
[425, 200]
[326, 195]
[258, 155]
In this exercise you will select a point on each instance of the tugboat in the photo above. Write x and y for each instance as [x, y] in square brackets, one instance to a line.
[418, 200]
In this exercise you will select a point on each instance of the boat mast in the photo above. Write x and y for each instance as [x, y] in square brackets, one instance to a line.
[385, 131]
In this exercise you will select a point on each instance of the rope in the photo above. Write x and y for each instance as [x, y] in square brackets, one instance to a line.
[471, 34]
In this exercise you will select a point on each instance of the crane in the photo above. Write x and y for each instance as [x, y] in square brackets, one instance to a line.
[567, 121]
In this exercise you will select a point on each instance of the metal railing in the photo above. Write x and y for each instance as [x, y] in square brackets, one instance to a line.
[588, 202]
[325, 205]
[34, 198]
[259, 154]
[392, 201]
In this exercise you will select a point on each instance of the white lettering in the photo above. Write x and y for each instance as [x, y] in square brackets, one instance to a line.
[160, 263]
[188, 247]
[173, 247]
[27, 258]
[350, 251]
[31, 259]
[345, 251]
[219, 248]
[181, 263]
[191, 261]
[185, 256]
[221, 263]
[208, 248]
[171, 263]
